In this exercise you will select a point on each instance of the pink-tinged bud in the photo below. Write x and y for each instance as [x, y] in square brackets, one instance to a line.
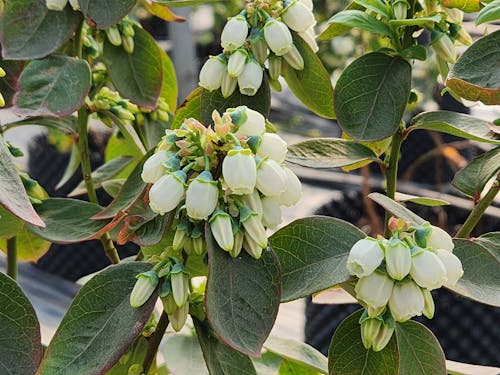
[250, 79]
[271, 217]
[212, 72]
[202, 196]
[374, 290]
[397, 258]
[221, 227]
[293, 190]
[239, 171]
[271, 178]
[453, 266]
[406, 301]
[365, 256]
[166, 193]
[272, 146]
[278, 37]
[298, 17]
[427, 270]
[235, 33]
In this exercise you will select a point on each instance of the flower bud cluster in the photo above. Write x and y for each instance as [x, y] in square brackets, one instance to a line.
[396, 276]
[107, 100]
[2, 100]
[122, 34]
[259, 38]
[230, 176]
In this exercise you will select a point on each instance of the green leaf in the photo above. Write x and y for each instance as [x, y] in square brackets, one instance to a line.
[54, 86]
[424, 201]
[371, 96]
[196, 266]
[490, 241]
[183, 355]
[419, 350]
[491, 12]
[417, 52]
[294, 368]
[348, 356]
[375, 5]
[268, 364]
[119, 146]
[66, 125]
[190, 108]
[427, 22]
[100, 324]
[128, 131]
[242, 296]
[298, 352]
[154, 131]
[20, 347]
[458, 124]
[30, 248]
[360, 20]
[29, 30]
[213, 100]
[105, 13]
[481, 279]
[396, 209]
[9, 224]
[329, 153]
[137, 76]
[312, 85]
[13, 196]
[8, 84]
[220, 358]
[313, 254]
[472, 179]
[71, 167]
[151, 232]
[336, 29]
[475, 76]
[169, 90]
[68, 220]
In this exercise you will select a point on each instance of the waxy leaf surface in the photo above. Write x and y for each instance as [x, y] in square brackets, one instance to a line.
[105, 13]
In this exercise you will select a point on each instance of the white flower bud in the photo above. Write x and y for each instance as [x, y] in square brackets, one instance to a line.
[397, 259]
[228, 85]
[143, 289]
[166, 193]
[179, 317]
[293, 190]
[153, 167]
[374, 290]
[294, 58]
[271, 178]
[238, 244]
[212, 72]
[198, 245]
[250, 79]
[400, 9]
[253, 226]
[308, 3]
[248, 121]
[429, 307]
[444, 48]
[278, 37]
[235, 33]
[236, 63]
[453, 266]
[56, 4]
[364, 257]
[274, 67]
[180, 285]
[427, 270]
[253, 202]
[310, 38]
[179, 240]
[272, 146]
[298, 17]
[239, 171]
[169, 305]
[202, 196]
[406, 301]
[221, 227]
[271, 217]
[440, 239]
[252, 247]
[383, 337]
[369, 331]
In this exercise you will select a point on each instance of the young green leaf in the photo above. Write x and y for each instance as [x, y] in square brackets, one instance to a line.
[491, 12]
[396, 209]
[66, 125]
[9, 224]
[29, 247]
[377, 6]
[360, 20]
[169, 90]
[105, 13]
[336, 29]
[424, 201]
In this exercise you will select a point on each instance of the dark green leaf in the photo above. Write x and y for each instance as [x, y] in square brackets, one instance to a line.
[155, 130]
[481, 279]
[491, 12]
[313, 254]
[190, 108]
[8, 84]
[371, 96]
[220, 358]
[137, 76]
[336, 29]
[196, 266]
[458, 124]
[419, 350]
[9, 224]
[396, 209]
[348, 356]
[376, 6]
[490, 241]
[242, 296]
[105, 13]
[424, 201]
[183, 355]
[68, 220]
[427, 22]
[360, 20]
[417, 52]
[213, 100]
[100, 324]
[472, 179]
[67, 125]
[329, 153]
[151, 232]
[12, 193]
[20, 346]
[169, 91]
[54, 86]
[294, 368]
[476, 74]
[312, 85]
[28, 30]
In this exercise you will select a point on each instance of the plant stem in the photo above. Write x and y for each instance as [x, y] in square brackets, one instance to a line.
[154, 342]
[391, 174]
[12, 257]
[478, 211]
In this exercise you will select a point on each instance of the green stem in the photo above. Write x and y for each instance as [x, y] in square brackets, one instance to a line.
[154, 342]
[391, 173]
[12, 257]
[478, 211]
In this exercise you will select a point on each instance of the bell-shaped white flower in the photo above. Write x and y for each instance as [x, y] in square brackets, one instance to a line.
[143, 289]
[440, 239]
[310, 38]
[429, 306]
[271, 217]
[250, 80]
[248, 122]
[253, 226]
[212, 72]
[308, 3]
[272, 146]
[179, 280]
[237, 62]
[202, 196]
[374, 290]
[252, 247]
[453, 266]
[239, 171]
[253, 202]
[166, 193]
[179, 317]
[222, 230]
[383, 337]
[153, 167]
[406, 301]
[293, 190]
[397, 258]
[56, 4]
[271, 178]
[427, 270]
[228, 85]
[364, 257]
[298, 17]
[278, 37]
[235, 33]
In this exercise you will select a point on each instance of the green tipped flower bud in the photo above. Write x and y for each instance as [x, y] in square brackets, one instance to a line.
[127, 28]
[212, 72]
[236, 63]
[239, 171]
[310, 38]
[364, 257]
[369, 331]
[427, 270]
[271, 178]
[443, 46]
[179, 317]
[252, 247]
[180, 284]
[429, 307]
[56, 4]
[198, 245]
[298, 17]
[253, 226]
[167, 192]
[259, 50]
[2, 100]
[278, 37]
[169, 305]
[135, 369]
[221, 227]
[383, 337]
[122, 113]
[374, 290]
[235, 33]
[202, 196]
[180, 238]
[400, 9]
[440, 239]
[453, 266]
[114, 36]
[294, 58]
[406, 301]
[238, 244]
[274, 67]
[397, 259]
[250, 79]
[464, 37]
[128, 44]
[143, 289]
